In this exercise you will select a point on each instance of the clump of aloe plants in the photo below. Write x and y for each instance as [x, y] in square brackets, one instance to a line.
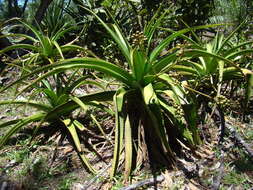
[155, 98]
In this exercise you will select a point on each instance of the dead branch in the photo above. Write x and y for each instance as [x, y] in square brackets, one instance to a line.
[150, 181]
[102, 173]
[217, 179]
[235, 136]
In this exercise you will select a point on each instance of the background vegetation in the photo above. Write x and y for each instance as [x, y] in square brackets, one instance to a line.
[140, 85]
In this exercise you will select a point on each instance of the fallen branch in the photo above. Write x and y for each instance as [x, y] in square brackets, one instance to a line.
[150, 181]
[217, 179]
[239, 140]
[102, 173]
[221, 125]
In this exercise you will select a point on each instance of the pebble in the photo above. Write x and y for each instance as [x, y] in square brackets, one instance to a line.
[78, 186]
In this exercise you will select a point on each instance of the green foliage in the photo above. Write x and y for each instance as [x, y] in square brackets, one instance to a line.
[44, 49]
[18, 156]
[56, 19]
[159, 84]
[65, 184]
[209, 65]
[195, 12]
[58, 108]
[229, 11]
[140, 99]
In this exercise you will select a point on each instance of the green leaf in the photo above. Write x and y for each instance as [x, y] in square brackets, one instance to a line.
[79, 125]
[179, 94]
[221, 71]
[116, 35]
[230, 36]
[51, 96]
[239, 53]
[89, 63]
[231, 73]
[154, 113]
[9, 123]
[58, 48]
[118, 99]
[34, 104]
[201, 53]
[80, 103]
[128, 148]
[153, 24]
[72, 130]
[237, 47]
[156, 52]
[138, 63]
[249, 88]
[14, 129]
[191, 117]
[164, 64]
[19, 46]
[37, 33]
[21, 36]
[186, 69]
[100, 128]
[70, 106]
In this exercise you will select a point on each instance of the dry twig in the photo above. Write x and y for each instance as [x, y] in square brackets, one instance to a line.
[150, 181]
[235, 136]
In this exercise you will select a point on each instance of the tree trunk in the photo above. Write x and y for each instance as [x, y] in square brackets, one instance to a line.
[24, 7]
[41, 11]
[4, 42]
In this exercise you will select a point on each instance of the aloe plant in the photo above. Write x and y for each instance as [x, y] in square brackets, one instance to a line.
[43, 49]
[215, 62]
[56, 110]
[57, 18]
[211, 70]
[152, 109]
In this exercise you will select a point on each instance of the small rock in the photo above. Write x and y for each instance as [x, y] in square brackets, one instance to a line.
[216, 166]
[78, 186]
[21, 98]
[8, 185]
[4, 185]
[3, 80]
[2, 116]
[200, 172]
[11, 164]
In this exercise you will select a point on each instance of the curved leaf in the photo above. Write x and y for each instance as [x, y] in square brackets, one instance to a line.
[89, 63]
[72, 130]
[37, 105]
[156, 52]
[239, 53]
[9, 123]
[164, 64]
[19, 125]
[118, 99]
[201, 53]
[19, 46]
[72, 105]
[128, 148]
